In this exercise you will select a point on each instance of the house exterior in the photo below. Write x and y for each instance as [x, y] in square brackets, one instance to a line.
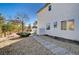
[60, 20]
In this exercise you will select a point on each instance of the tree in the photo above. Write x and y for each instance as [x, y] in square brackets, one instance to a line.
[14, 26]
[4, 29]
[35, 24]
[1, 20]
[1, 23]
[29, 28]
[34, 27]
[9, 27]
[22, 17]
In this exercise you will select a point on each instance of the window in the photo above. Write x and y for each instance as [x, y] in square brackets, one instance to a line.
[70, 25]
[48, 26]
[49, 8]
[63, 25]
[55, 24]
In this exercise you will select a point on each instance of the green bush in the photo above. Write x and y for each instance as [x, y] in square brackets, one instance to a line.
[23, 34]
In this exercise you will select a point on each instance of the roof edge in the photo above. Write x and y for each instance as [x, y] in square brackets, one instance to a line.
[43, 7]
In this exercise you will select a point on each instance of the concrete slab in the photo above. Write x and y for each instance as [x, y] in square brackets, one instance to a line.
[52, 47]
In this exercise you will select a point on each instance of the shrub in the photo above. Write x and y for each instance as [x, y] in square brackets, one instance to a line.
[23, 34]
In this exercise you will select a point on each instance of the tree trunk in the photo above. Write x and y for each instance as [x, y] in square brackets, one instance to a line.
[4, 34]
[22, 26]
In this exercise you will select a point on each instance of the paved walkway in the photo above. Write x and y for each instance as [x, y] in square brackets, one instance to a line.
[53, 47]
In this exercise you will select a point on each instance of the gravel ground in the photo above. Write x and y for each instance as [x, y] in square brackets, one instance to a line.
[23, 46]
[74, 48]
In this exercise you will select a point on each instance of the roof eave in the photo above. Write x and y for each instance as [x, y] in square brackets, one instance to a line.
[43, 7]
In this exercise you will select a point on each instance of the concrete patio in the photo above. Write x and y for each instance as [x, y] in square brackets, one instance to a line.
[58, 47]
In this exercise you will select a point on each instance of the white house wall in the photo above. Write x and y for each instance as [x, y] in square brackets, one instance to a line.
[60, 12]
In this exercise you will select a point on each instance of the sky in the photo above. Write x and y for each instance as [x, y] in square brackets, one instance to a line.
[10, 10]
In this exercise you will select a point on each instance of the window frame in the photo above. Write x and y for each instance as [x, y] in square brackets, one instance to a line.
[55, 24]
[64, 25]
[48, 26]
[69, 26]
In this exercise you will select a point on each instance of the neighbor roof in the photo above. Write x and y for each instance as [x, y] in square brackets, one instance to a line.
[43, 7]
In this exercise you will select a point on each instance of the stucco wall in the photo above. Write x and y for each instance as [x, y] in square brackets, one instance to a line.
[59, 13]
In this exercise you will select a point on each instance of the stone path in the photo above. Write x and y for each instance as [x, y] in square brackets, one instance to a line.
[53, 47]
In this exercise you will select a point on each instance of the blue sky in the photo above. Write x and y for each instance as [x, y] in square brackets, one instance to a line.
[9, 10]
